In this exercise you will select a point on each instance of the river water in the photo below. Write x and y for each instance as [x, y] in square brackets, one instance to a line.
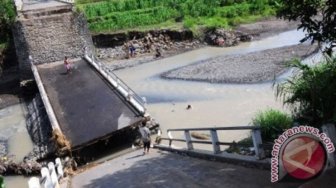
[13, 130]
[213, 105]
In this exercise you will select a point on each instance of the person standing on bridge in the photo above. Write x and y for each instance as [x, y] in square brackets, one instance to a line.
[145, 136]
[67, 65]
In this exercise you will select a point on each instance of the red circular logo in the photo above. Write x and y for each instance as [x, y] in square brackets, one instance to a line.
[304, 157]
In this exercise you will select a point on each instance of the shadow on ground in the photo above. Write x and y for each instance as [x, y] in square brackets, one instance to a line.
[163, 169]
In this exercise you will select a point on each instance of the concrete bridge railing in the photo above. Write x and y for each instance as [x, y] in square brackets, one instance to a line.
[50, 176]
[50, 112]
[256, 137]
[129, 95]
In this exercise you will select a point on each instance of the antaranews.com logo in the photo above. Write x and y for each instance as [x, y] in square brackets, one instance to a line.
[300, 152]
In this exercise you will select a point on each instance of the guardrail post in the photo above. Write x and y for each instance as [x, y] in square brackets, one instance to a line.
[46, 180]
[188, 140]
[170, 137]
[214, 140]
[59, 168]
[53, 175]
[257, 143]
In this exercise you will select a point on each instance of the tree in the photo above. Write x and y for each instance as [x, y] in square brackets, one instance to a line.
[7, 16]
[311, 93]
[317, 17]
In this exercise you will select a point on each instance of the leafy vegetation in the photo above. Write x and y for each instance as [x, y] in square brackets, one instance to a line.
[272, 123]
[317, 18]
[311, 93]
[7, 16]
[115, 15]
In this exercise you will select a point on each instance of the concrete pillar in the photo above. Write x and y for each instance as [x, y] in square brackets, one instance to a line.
[59, 168]
[46, 180]
[214, 140]
[53, 175]
[170, 137]
[188, 140]
[257, 141]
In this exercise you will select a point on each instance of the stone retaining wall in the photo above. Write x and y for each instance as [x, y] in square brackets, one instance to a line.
[39, 128]
[49, 37]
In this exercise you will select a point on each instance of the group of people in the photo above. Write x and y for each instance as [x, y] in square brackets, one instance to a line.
[132, 50]
[147, 45]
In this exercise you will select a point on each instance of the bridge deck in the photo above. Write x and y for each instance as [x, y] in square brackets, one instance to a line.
[85, 105]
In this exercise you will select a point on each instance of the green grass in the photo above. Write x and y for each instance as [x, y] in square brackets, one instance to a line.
[272, 123]
[116, 15]
[131, 19]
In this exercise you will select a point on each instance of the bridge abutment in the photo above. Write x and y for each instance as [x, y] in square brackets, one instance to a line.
[48, 34]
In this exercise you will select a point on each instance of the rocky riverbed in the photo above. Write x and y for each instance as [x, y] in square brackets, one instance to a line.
[248, 68]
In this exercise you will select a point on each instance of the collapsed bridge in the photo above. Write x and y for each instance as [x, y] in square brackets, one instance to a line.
[90, 104]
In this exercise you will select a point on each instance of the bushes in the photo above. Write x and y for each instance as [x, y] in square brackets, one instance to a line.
[209, 22]
[272, 123]
[234, 10]
[7, 16]
[311, 93]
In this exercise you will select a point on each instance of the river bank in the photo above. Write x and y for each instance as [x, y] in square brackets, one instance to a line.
[117, 58]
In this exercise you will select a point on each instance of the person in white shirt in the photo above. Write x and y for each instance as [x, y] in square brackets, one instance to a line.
[145, 136]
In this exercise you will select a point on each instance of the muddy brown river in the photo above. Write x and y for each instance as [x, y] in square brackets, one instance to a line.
[213, 105]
